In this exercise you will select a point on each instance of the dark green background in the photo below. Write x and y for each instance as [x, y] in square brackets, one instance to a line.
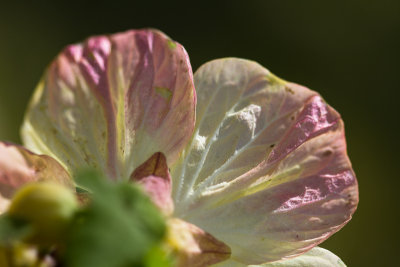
[349, 51]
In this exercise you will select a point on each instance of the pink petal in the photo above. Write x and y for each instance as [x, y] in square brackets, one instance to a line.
[153, 175]
[267, 170]
[113, 101]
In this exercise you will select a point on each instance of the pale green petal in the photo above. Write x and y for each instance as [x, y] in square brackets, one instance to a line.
[112, 102]
[266, 171]
[316, 257]
[230, 263]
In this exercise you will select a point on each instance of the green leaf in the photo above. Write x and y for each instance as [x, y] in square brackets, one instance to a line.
[118, 228]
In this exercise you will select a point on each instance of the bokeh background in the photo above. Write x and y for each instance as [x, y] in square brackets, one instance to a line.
[348, 50]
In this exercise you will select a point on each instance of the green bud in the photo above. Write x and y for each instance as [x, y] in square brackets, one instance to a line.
[47, 207]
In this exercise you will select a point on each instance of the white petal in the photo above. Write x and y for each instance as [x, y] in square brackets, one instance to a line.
[266, 171]
[316, 257]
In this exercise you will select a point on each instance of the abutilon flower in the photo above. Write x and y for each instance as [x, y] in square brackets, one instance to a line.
[255, 172]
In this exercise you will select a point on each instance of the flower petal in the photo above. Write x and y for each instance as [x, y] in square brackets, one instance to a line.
[112, 102]
[153, 175]
[267, 170]
[19, 166]
[194, 247]
[316, 257]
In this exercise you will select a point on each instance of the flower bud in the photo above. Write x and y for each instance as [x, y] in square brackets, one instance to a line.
[47, 207]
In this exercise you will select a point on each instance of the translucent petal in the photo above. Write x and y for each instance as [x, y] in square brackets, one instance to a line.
[113, 101]
[316, 257]
[266, 170]
[19, 166]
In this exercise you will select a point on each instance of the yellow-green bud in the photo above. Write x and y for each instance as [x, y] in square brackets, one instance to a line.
[48, 207]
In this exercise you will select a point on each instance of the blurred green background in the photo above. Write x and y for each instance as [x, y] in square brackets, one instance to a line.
[348, 50]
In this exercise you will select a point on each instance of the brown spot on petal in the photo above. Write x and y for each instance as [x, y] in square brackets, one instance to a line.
[327, 153]
[289, 90]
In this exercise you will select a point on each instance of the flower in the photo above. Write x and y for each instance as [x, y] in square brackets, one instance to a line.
[259, 163]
